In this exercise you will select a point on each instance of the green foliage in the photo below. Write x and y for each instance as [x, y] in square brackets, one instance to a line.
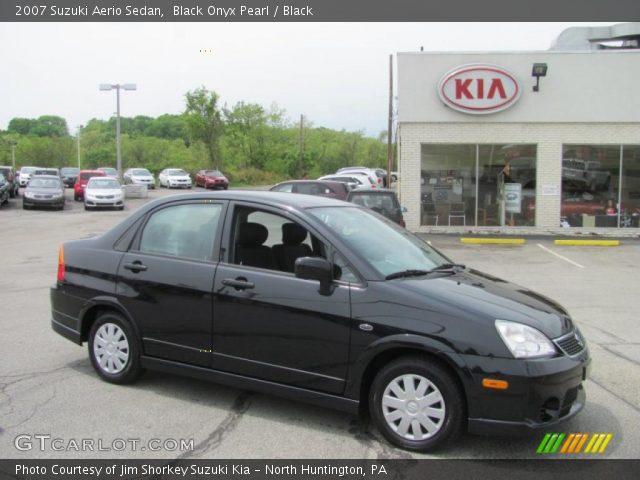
[251, 144]
[204, 121]
[44, 126]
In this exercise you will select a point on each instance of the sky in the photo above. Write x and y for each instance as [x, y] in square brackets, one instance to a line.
[336, 74]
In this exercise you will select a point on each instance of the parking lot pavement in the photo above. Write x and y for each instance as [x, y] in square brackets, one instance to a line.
[48, 385]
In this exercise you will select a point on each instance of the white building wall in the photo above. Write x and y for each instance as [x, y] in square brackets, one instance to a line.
[549, 138]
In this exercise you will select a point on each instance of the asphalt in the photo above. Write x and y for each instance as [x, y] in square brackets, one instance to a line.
[47, 385]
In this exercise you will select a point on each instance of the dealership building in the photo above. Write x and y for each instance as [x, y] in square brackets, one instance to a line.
[523, 142]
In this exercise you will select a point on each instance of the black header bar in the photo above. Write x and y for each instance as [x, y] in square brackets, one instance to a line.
[318, 10]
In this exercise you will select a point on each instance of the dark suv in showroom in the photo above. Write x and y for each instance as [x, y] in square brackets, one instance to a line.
[322, 301]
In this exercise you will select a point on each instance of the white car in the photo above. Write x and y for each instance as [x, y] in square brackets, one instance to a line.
[139, 176]
[25, 175]
[103, 192]
[354, 180]
[369, 172]
[174, 178]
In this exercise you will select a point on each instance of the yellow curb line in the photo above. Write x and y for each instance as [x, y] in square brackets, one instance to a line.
[589, 243]
[492, 241]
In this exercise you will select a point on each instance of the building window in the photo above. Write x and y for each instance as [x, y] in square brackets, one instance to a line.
[478, 185]
[600, 186]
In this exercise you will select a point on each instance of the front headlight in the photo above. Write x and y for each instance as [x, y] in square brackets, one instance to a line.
[524, 341]
[29, 195]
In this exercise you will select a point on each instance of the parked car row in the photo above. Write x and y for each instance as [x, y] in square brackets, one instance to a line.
[360, 185]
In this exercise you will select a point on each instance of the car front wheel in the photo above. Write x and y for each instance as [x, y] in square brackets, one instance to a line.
[113, 349]
[417, 404]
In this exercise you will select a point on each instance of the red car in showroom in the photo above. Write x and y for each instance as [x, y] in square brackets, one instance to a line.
[211, 179]
[81, 182]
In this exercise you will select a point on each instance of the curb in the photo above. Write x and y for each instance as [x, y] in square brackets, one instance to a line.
[589, 243]
[492, 241]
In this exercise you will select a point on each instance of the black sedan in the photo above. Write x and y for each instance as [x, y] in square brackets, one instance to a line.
[44, 191]
[322, 301]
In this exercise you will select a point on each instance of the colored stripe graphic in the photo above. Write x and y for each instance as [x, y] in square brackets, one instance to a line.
[573, 443]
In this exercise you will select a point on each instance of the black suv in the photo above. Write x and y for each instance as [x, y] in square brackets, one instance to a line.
[322, 301]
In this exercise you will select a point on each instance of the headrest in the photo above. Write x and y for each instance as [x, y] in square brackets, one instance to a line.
[293, 234]
[252, 234]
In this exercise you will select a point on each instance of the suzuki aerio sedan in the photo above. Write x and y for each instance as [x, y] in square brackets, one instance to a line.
[322, 301]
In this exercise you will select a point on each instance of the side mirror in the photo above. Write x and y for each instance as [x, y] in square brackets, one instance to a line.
[403, 209]
[315, 268]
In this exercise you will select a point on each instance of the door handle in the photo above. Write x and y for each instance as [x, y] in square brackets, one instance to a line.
[239, 283]
[135, 267]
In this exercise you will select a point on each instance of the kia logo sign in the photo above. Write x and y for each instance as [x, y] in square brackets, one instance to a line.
[479, 89]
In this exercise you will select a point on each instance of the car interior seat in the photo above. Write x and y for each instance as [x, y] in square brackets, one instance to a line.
[292, 247]
[249, 248]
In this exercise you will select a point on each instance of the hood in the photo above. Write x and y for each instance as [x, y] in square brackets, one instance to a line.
[44, 191]
[103, 191]
[486, 298]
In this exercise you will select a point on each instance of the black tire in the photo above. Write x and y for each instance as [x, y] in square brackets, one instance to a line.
[86, 208]
[25, 207]
[76, 198]
[131, 369]
[453, 421]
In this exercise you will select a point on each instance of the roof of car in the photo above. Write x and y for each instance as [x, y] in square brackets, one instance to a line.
[369, 191]
[266, 197]
[54, 177]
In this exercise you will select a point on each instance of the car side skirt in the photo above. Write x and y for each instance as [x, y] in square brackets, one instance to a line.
[247, 383]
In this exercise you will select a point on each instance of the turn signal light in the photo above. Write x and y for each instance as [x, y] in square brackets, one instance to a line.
[495, 384]
[61, 264]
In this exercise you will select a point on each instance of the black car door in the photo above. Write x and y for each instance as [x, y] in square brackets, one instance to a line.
[165, 281]
[268, 323]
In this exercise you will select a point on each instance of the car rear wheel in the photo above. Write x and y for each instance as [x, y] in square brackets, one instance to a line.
[417, 404]
[113, 349]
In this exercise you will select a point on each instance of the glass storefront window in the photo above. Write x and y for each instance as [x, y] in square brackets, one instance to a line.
[478, 185]
[600, 186]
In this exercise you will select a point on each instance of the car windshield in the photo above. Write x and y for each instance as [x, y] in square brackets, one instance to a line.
[383, 245]
[44, 183]
[110, 171]
[141, 172]
[382, 202]
[177, 173]
[99, 182]
[87, 176]
[214, 173]
[28, 169]
[69, 171]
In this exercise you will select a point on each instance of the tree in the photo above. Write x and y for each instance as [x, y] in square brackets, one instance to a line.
[204, 121]
[22, 126]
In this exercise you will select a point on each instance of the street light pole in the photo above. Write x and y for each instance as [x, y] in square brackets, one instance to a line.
[79, 130]
[117, 87]
[13, 156]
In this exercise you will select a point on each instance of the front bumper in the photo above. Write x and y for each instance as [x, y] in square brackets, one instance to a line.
[542, 393]
[43, 202]
[104, 203]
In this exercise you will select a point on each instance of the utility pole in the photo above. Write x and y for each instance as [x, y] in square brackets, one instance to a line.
[13, 155]
[390, 125]
[79, 129]
[301, 157]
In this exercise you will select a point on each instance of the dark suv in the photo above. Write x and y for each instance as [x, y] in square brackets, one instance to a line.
[322, 301]
[10, 177]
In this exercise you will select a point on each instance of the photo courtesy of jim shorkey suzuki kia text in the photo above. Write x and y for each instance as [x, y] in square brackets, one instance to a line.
[124, 470]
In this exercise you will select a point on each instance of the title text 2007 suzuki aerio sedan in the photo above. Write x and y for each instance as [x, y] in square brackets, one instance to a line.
[322, 301]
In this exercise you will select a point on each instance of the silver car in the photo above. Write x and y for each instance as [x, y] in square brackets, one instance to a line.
[139, 176]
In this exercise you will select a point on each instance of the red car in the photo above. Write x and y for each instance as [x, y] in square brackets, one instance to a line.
[211, 179]
[81, 182]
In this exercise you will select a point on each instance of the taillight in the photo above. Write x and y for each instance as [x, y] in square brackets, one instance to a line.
[61, 264]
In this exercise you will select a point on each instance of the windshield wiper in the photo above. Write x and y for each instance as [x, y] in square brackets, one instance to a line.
[418, 273]
[407, 273]
[448, 266]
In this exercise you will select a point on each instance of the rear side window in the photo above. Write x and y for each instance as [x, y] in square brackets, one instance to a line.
[286, 188]
[182, 231]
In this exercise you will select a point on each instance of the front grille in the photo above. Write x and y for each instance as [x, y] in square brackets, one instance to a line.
[104, 197]
[571, 344]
